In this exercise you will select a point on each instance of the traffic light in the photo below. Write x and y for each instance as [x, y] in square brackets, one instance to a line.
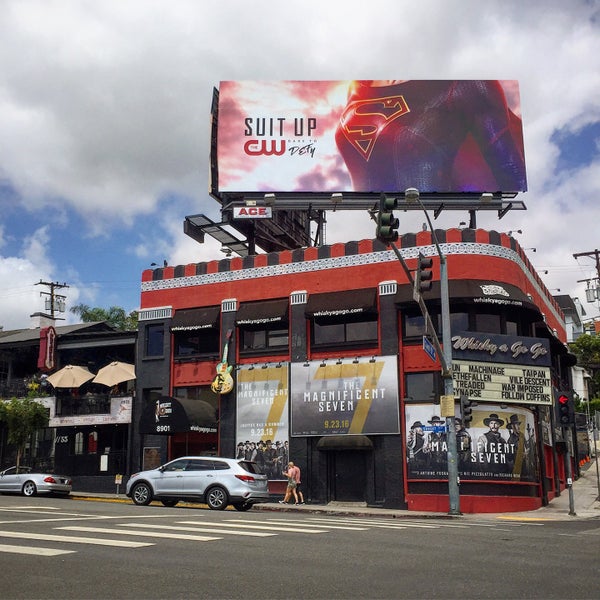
[387, 224]
[424, 274]
[466, 410]
[565, 408]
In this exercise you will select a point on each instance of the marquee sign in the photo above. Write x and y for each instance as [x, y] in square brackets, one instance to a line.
[502, 383]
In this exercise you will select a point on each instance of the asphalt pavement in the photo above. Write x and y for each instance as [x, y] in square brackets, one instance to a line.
[582, 503]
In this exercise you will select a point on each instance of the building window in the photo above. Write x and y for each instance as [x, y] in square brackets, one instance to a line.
[155, 340]
[347, 318]
[414, 325]
[488, 323]
[253, 341]
[79, 442]
[423, 387]
[197, 342]
[361, 333]
[263, 327]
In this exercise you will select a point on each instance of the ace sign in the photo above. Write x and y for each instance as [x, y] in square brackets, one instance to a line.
[252, 212]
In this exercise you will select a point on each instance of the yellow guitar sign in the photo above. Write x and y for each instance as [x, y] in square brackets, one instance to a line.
[223, 382]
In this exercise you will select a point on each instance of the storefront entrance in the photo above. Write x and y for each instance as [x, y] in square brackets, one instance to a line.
[348, 475]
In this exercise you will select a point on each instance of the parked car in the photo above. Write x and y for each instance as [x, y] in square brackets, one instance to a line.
[214, 480]
[26, 481]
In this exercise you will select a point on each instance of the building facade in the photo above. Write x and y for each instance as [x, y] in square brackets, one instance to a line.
[88, 431]
[317, 355]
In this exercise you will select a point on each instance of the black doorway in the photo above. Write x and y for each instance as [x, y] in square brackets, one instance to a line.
[348, 475]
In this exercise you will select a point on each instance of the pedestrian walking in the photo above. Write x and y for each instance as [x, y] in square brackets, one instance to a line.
[291, 485]
[298, 479]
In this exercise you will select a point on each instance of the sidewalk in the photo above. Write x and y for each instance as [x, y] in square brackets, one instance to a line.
[585, 494]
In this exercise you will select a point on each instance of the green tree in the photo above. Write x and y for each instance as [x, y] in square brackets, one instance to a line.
[23, 417]
[115, 316]
[587, 350]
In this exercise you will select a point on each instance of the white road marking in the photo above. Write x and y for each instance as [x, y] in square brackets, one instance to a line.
[71, 539]
[174, 536]
[203, 529]
[299, 529]
[35, 550]
[286, 522]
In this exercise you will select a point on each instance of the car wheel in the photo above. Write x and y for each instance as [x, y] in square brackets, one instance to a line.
[29, 489]
[217, 498]
[170, 501]
[141, 494]
[242, 506]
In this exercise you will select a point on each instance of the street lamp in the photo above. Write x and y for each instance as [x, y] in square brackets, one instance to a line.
[412, 195]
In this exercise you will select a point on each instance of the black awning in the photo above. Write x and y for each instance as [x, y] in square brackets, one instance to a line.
[196, 318]
[170, 415]
[348, 305]
[270, 313]
[476, 291]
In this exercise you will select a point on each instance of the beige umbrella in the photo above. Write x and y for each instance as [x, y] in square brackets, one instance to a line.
[70, 376]
[115, 373]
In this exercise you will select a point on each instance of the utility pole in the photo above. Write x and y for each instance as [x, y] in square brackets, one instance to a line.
[54, 302]
[595, 254]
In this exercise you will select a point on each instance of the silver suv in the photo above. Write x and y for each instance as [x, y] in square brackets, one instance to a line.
[214, 480]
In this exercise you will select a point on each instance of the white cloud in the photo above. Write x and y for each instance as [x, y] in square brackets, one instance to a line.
[104, 112]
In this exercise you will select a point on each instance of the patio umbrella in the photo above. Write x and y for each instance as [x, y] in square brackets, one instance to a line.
[115, 373]
[70, 376]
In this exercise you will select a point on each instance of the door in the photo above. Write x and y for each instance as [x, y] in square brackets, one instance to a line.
[349, 476]
[199, 474]
[169, 481]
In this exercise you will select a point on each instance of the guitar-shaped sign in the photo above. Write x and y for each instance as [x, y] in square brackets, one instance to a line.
[223, 382]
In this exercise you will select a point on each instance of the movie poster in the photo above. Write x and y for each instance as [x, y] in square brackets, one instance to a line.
[499, 445]
[262, 432]
[345, 397]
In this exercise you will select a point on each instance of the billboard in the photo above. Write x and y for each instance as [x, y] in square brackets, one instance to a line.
[499, 445]
[262, 423]
[347, 397]
[439, 136]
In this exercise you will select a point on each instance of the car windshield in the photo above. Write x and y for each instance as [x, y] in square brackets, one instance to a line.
[251, 467]
[15, 470]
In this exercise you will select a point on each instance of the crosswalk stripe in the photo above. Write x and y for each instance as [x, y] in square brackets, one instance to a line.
[401, 524]
[174, 536]
[28, 508]
[72, 539]
[203, 529]
[245, 525]
[35, 550]
[343, 527]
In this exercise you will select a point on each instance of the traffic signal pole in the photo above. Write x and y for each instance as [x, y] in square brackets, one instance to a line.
[445, 356]
[453, 481]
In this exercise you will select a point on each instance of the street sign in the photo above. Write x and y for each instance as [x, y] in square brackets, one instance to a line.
[434, 428]
[429, 348]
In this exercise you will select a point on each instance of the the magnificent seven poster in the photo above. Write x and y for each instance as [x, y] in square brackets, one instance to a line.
[500, 444]
[262, 432]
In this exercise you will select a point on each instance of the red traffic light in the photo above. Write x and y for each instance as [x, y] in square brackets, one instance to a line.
[562, 399]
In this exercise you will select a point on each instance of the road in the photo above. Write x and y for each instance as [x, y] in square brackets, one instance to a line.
[63, 548]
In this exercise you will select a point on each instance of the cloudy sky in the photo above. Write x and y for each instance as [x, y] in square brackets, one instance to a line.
[104, 123]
